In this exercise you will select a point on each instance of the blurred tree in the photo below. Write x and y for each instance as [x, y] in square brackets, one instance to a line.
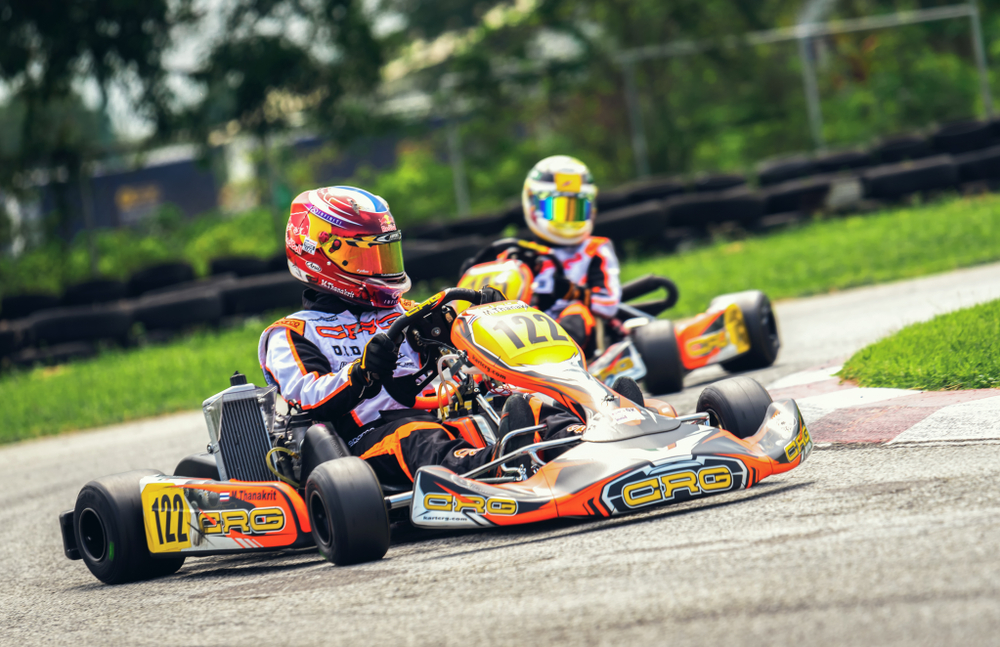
[52, 49]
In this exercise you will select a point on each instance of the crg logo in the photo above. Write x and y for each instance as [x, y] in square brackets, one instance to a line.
[674, 482]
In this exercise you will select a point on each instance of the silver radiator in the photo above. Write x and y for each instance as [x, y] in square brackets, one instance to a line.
[239, 425]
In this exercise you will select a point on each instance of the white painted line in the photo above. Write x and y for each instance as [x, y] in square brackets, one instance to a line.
[967, 421]
[805, 377]
[815, 407]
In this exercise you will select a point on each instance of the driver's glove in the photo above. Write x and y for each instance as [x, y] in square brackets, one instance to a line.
[375, 366]
[490, 294]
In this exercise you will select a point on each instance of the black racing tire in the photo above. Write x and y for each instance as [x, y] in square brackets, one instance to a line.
[893, 181]
[350, 523]
[198, 466]
[704, 209]
[319, 445]
[835, 162]
[629, 388]
[718, 182]
[91, 292]
[257, 294]
[962, 137]
[784, 168]
[657, 345]
[737, 404]
[159, 276]
[804, 195]
[762, 328]
[82, 323]
[19, 306]
[107, 522]
[177, 310]
[900, 148]
[640, 222]
[238, 265]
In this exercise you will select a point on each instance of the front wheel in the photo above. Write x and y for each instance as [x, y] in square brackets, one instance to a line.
[762, 329]
[657, 345]
[347, 511]
[738, 405]
[107, 522]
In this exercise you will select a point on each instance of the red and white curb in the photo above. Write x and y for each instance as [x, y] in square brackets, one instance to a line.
[842, 412]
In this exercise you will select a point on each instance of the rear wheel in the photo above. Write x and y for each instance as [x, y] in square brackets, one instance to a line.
[657, 344]
[108, 526]
[347, 511]
[762, 329]
[738, 405]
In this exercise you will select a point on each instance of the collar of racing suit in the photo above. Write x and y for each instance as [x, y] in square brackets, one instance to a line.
[330, 303]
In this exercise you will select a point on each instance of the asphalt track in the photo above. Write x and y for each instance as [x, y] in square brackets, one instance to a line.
[863, 544]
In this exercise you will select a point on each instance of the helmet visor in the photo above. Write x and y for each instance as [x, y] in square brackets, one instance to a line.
[367, 255]
[561, 209]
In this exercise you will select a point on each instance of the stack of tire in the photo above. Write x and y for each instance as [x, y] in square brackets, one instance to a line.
[163, 299]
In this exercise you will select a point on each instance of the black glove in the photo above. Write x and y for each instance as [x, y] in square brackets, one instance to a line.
[490, 295]
[376, 364]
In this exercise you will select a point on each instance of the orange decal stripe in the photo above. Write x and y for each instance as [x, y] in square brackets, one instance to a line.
[391, 444]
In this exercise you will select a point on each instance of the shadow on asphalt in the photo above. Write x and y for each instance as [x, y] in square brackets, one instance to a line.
[410, 534]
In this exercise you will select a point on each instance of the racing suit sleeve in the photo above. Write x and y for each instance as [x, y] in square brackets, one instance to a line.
[603, 281]
[545, 292]
[305, 379]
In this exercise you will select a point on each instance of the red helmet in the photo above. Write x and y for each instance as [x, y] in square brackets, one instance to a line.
[343, 240]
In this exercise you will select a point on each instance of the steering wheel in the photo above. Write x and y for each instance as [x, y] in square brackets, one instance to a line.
[397, 333]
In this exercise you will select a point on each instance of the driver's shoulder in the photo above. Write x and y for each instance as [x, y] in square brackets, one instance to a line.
[296, 322]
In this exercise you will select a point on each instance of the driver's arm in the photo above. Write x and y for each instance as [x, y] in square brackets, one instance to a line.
[305, 378]
[603, 281]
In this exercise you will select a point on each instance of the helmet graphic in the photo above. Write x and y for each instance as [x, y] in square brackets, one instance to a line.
[343, 240]
[559, 200]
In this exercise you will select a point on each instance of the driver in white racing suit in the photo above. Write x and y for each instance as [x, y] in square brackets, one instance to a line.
[333, 360]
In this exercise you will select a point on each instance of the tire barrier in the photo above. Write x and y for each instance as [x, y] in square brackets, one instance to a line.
[709, 183]
[803, 195]
[491, 226]
[91, 292]
[651, 189]
[979, 165]
[612, 199]
[433, 230]
[699, 210]
[900, 148]
[962, 137]
[782, 169]
[58, 354]
[258, 294]
[159, 276]
[177, 310]
[277, 263]
[238, 265]
[632, 223]
[843, 161]
[79, 324]
[19, 306]
[426, 260]
[893, 181]
[8, 342]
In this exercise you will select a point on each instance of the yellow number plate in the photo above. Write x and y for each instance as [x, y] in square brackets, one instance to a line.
[167, 518]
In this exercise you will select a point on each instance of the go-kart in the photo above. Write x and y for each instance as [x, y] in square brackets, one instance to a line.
[270, 485]
[738, 331]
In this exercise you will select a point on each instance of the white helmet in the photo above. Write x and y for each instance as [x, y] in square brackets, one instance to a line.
[559, 200]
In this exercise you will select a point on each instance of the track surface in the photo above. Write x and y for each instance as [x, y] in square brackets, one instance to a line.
[862, 544]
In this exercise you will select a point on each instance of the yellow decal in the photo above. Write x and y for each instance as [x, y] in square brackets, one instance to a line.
[799, 444]
[737, 328]
[257, 521]
[450, 503]
[521, 335]
[568, 182]
[295, 325]
[167, 518]
[652, 490]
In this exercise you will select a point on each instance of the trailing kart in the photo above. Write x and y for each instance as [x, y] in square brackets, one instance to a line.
[738, 331]
[271, 484]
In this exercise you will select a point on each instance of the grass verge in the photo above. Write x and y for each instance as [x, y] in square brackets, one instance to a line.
[813, 258]
[957, 350]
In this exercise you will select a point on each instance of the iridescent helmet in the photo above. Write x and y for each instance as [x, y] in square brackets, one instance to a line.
[559, 200]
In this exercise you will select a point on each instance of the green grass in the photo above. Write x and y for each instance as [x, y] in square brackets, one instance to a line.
[122, 385]
[957, 350]
[812, 258]
[831, 255]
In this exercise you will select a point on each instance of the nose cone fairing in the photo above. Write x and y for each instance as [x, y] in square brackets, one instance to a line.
[601, 479]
